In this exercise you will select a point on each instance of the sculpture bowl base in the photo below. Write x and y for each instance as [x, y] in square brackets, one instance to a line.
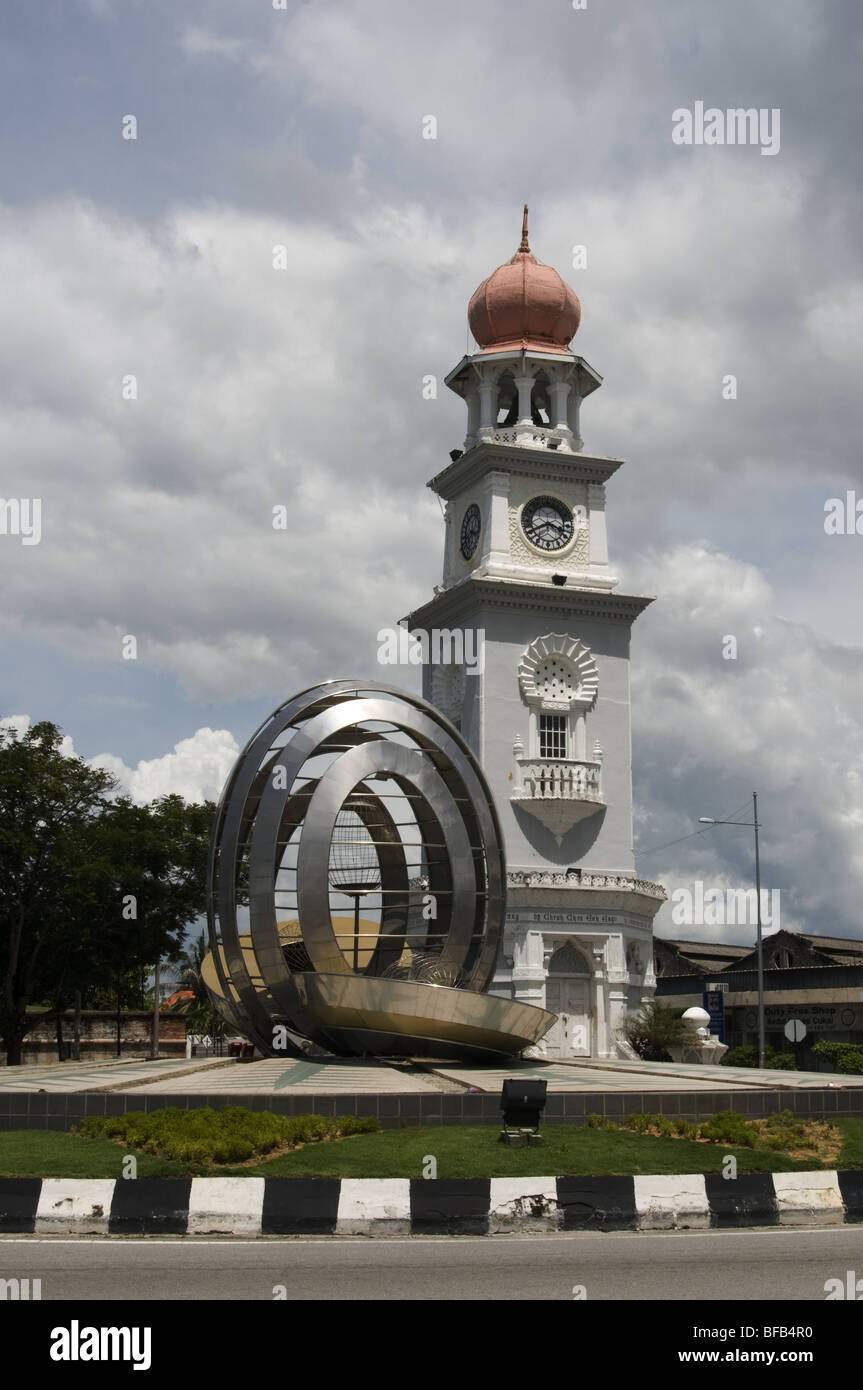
[353, 1014]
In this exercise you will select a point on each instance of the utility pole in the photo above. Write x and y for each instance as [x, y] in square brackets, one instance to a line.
[761, 1043]
[708, 820]
[76, 1028]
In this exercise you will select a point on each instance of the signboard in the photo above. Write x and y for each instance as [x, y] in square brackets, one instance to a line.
[714, 1003]
[816, 1018]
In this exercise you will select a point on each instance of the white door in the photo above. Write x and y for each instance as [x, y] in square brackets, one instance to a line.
[568, 998]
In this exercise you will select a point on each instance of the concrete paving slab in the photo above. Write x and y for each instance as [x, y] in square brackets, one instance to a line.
[736, 1076]
[562, 1078]
[367, 1076]
[600, 1075]
[283, 1076]
[117, 1073]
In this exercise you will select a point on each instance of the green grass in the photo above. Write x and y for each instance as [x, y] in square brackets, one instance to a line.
[460, 1151]
[851, 1154]
[41, 1153]
[467, 1152]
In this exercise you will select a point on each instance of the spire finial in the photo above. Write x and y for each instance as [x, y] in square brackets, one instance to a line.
[524, 244]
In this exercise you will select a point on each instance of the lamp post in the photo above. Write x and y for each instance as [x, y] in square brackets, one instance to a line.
[708, 820]
[154, 1027]
[354, 868]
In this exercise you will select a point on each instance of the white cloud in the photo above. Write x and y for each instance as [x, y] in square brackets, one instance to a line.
[196, 770]
[781, 719]
[258, 387]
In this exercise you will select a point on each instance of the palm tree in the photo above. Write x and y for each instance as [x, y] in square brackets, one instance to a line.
[201, 1017]
[653, 1030]
[190, 963]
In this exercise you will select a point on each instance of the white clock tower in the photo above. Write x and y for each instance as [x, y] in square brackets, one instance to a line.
[546, 707]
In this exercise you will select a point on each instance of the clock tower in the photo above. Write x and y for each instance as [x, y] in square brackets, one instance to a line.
[529, 641]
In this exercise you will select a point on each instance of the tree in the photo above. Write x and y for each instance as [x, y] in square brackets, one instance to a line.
[47, 805]
[654, 1029]
[190, 963]
[845, 1057]
[91, 890]
[201, 1017]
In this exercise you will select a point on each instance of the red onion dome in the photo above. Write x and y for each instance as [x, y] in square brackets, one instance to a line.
[523, 304]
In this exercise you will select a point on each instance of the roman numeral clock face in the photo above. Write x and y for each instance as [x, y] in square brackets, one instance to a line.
[470, 529]
[547, 523]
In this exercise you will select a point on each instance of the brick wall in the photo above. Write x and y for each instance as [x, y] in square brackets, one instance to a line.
[99, 1035]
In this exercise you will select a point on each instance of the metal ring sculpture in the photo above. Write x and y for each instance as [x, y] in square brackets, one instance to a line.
[357, 753]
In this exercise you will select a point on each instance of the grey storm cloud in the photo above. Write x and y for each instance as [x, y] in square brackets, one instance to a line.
[259, 388]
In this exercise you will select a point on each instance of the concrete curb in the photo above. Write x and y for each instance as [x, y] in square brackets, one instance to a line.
[401, 1206]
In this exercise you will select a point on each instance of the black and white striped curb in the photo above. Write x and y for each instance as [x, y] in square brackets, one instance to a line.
[402, 1206]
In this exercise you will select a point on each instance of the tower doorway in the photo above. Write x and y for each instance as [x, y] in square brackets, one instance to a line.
[567, 994]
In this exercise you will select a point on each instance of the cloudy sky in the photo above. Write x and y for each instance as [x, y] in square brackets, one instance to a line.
[257, 387]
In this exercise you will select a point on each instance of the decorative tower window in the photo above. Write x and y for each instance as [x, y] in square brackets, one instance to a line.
[558, 782]
[552, 736]
[558, 678]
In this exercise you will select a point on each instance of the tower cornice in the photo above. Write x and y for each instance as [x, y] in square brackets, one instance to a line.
[472, 366]
[462, 601]
[546, 465]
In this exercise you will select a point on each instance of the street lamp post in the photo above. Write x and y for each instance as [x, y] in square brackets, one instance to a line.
[154, 1027]
[708, 820]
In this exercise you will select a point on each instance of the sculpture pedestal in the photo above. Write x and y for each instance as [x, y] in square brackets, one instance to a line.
[699, 1047]
[699, 1051]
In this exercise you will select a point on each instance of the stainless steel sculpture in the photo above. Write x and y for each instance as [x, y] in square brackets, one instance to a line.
[354, 789]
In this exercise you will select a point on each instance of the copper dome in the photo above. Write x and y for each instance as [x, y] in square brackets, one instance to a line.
[523, 304]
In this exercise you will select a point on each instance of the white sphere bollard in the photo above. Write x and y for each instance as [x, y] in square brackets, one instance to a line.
[696, 1019]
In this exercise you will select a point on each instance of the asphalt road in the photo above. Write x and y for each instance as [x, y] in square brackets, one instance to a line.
[752, 1265]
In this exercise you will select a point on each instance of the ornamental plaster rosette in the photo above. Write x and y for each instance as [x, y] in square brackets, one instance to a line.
[583, 683]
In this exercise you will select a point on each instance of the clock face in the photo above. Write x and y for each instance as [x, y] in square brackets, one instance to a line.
[547, 523]
[470, 529]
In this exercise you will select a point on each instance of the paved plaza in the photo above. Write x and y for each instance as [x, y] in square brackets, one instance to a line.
[360, 1076]
[637, 1076]
[353, 1076]
[119, 1073]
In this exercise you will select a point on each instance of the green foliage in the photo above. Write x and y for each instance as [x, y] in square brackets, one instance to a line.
[685, 1128]
[747, 1056]
[728, 1127]
[655, 1029]
[461, 1152]
[662, 1125]
[783, 1132]
[48, 803]
[201, 1017]
[202, 1137]
[845, 1057]
[92, 889]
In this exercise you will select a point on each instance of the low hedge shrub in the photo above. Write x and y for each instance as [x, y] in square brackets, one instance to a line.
[845, 1057]
[729, 1127]
[781, 1132]
[231, 1135]
[747, 1056]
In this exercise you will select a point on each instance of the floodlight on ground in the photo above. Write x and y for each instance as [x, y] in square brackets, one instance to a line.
[522, 1103]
